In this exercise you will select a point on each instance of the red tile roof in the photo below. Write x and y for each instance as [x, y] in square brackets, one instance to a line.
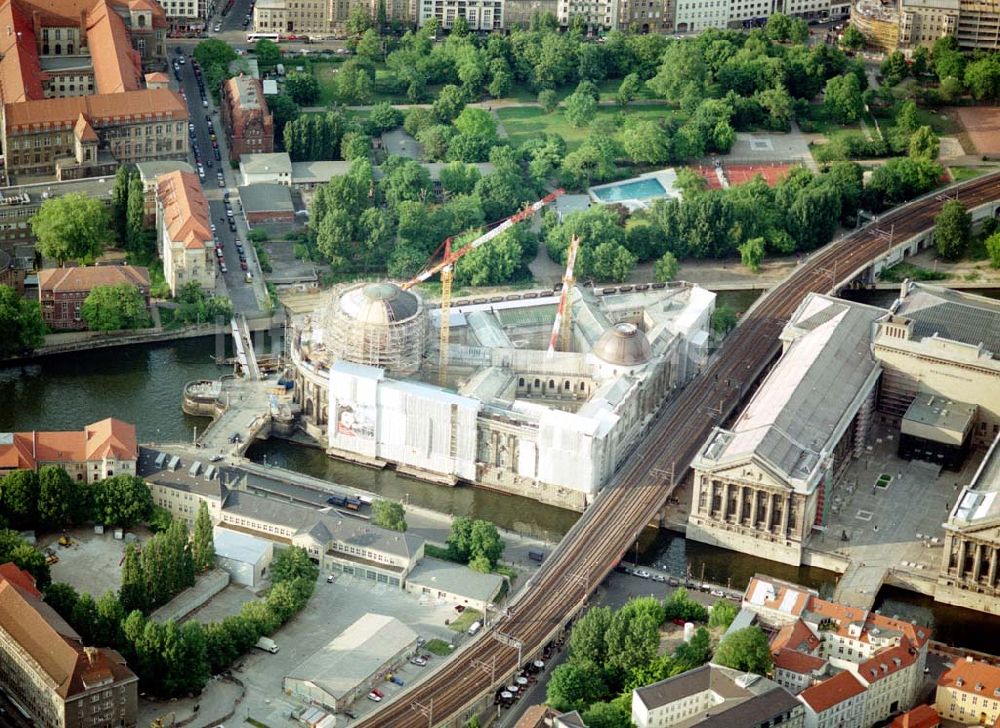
[888, 662]
[142, 105]
[107, 438]
[966, 675]
[19, 577]
[795, 636]
[53, 645]
[185, 209]
[798, 662]
[117, 66]
[842, 686]
[85, 278]
[923, 716]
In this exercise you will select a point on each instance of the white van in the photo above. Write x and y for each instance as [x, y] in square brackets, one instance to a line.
[475, 627]
[267, 644]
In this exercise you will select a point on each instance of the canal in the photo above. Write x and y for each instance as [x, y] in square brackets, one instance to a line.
[143, 384]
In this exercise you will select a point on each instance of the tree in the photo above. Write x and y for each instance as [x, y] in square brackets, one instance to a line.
[723, 613]
[214, 52]
[645, 141]
[72, 227]
[113, 308]
[634, 636]
[370, 46]
[302, 88]
[458, 178]
[122, 500]
[588, 640]
[665, 269]
[992, 245]
[293, 563]
[20, 498]
[119, 201]
[852, 39]
[579, 108]
[680, 606]
[203, 542]
[894, 68]
[574, 686]
[606, 715]
[607, 262]
[628, 89]
[355, 82]
[952, 230]
[842, 98]
[752, 253]
[779, 27]
[132, 591]
[21, 324]
[284, 110]
[24, 555]
[486, 546]
[492, 264]
[61, 597]
[924, 144]
[982, 77]
[449, 103]
[694, 653]
[109, 615]
[355, 145]
[921, 60]
[389, 514]
[548, 100]
[359, 20]
[404, 179]
[384, 116]
[746, 650]
[57, 497]
[135, 217]
[267, 53]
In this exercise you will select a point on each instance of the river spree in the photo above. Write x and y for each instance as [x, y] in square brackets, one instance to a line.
[143, 384]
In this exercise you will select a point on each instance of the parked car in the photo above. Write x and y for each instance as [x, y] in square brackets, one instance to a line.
[330, 578]
[459, 608]
[374, 696]
[418, 661]
[717, 593]
[243, 265]
[659, 579]
[671, 581]
[642, 574]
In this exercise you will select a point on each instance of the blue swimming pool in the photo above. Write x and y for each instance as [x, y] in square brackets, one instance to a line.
[640, 189]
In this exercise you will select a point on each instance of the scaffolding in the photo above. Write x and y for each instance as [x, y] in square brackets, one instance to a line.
[376, 324]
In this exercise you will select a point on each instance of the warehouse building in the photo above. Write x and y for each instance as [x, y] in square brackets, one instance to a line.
[246, 558]
[439, 579]
[351, 664]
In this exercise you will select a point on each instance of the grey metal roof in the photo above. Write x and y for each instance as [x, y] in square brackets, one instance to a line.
[181, 478]
[747, 700]
[815, 385]
[953, 315]
[266, 162]
[455, 579]
[267, 197]
[316, 523]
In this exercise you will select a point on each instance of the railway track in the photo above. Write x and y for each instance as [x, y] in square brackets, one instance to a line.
[600, 537]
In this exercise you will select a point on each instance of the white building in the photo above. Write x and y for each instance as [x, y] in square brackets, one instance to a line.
[454, 583]
[266, 168]
[553, 427]
[245, 557]
[712, 695]
[184, 232]
[479, 14]
[835, 703]
[351, 664]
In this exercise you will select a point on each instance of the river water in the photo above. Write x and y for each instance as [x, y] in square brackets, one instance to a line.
[143, 384]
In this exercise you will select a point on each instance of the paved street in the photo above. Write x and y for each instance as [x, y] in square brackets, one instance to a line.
[246, 297]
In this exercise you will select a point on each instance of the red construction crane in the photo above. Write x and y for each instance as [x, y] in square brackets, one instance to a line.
[445, 267]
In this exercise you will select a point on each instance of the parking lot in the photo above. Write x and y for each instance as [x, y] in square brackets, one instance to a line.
[91, 564]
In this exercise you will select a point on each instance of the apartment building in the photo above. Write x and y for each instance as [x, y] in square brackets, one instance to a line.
[321, 17]
[245, 117]
[518, 13]
[99, 451]
[62, 291]
[975, 25]
[148, 174]
[818, 644]
[969, 693]
[482, 15]
[48, 670]
[186, 15]
[184, 232]
[713, 695]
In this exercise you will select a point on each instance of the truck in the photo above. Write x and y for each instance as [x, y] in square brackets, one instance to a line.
[337, 500]
[267, 644]
[538, 556]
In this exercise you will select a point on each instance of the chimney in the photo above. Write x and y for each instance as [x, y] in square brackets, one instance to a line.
[91, 653]
[904, 288]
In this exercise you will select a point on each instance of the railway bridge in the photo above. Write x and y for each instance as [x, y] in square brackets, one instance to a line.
[464, 685]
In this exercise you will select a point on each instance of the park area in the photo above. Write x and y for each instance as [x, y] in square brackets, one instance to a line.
[530, 122]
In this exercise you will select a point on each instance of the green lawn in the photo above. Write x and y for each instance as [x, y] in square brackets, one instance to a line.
[942, 124]
[960, 174]
[465, 620]
[438, 647]
[525, 123]
[608, 88]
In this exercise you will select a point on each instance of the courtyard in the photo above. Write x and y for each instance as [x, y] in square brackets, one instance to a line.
[92, 564]
[885, 515]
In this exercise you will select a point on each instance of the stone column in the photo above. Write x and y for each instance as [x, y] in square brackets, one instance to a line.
[784, 515]
[769, 511]
[726, 487]
[992, 575]
[744, 493]
[962, 545]
[977, 562]
[754, 505]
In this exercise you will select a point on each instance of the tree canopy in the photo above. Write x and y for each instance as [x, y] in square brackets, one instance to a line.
[746, 649]
[72, 227]
[952, 230]
[389, 514]
[116, 307]
[21, 324]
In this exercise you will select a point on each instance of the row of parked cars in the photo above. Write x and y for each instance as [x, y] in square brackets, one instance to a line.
[674, 581]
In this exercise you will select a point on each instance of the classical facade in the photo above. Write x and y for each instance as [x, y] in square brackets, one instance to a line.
[969, 575]
[62, 291]
[245, 117]
[99, 451]
[763, 485]
[322, 17]
[550, 426]
[184, 232]
[48, 670]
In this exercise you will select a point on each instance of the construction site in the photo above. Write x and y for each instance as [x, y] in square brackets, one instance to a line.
[542, 393]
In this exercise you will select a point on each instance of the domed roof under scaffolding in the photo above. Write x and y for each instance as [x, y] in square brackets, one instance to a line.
[623, 345]
[378, 324]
